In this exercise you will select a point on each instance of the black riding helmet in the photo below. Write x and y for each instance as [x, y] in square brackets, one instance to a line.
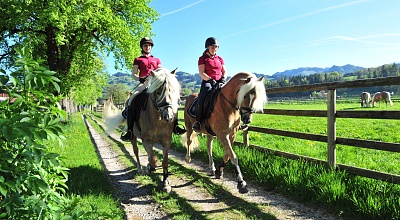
[211, 41]
[146, 40]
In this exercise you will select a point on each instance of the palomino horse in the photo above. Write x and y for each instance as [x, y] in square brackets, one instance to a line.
[365, 99]
[384, 96]
[242, 95]
[155, 122]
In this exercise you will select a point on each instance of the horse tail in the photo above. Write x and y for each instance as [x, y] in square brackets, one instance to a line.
[112, 117]
[194, 141]
[390, 100]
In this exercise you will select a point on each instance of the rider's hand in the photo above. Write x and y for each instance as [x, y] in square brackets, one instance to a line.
[212, 82]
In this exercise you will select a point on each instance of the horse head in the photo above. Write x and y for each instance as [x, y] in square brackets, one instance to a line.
[165, 93]
[251, 98]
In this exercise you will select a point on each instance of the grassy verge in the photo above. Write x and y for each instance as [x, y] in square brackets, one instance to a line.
[86, 172]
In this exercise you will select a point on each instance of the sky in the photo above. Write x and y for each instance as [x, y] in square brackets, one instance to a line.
[269, 36]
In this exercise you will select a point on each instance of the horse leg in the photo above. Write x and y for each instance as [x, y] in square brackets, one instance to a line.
[151, 157]
[166, 186]
[211, 166]
[136, 151]
[219, 172]
[242, 185]
[188, 143]
[229, 153]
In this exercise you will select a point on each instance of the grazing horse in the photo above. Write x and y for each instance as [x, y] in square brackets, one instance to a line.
[242, 95]
[157, 109]
[365, 99]
[385, 96]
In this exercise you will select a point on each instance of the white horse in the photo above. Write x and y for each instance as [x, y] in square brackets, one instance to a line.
[365, 99]
[385, 96]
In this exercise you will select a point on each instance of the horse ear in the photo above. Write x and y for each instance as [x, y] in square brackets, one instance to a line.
[261, 78]
[174, 71]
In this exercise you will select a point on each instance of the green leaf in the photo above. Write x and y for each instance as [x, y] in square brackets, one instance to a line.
[3, 80]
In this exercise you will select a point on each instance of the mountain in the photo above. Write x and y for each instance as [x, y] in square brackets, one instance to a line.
[311, 70]
[193, 81]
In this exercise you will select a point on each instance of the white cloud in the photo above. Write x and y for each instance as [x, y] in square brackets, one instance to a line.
[183, 8]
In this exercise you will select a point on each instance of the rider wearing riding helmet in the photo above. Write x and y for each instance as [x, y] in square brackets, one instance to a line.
[143, 65]
[212, 72]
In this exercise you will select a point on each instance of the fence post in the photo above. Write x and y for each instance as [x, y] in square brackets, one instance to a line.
[331, 113]
[246, 136]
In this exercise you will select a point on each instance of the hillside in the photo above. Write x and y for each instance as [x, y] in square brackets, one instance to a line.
[189, 79]
[305, 71]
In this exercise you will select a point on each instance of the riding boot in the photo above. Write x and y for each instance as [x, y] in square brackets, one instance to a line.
[199, 110]
[129, 134]
[178, 130]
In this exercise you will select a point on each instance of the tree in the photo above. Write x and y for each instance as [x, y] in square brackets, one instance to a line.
[69, 34]
[118, 92]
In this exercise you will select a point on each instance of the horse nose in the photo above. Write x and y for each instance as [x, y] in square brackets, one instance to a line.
[246, 119]
[168, 118]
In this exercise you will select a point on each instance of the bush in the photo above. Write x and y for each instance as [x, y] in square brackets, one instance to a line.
[32, 181]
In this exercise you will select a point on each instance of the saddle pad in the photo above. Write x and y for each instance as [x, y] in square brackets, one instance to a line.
[192, 108]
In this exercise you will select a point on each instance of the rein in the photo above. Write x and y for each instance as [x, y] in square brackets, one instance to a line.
[240, 108]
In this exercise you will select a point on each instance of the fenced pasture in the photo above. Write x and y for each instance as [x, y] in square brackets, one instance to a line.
[334, 131]
[367, 140]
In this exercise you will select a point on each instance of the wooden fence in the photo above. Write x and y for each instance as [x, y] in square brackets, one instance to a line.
[331, 115]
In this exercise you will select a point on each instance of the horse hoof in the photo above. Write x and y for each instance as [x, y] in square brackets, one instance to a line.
[167, 189]
[211, 173]
[150, 170]
[140, 172]
[243, 190]
[188, 159]
[242, 186]
[218, 174]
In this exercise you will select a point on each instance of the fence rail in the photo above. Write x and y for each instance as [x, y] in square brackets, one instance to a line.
[332, 114]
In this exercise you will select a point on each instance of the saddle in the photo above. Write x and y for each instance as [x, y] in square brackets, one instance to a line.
[209, 103]
[138, 104]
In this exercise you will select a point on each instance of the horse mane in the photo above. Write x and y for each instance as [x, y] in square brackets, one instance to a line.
[172, 88]
[259, 89]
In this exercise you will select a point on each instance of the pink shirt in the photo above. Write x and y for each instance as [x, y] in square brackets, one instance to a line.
[212, 65]
[146, 65]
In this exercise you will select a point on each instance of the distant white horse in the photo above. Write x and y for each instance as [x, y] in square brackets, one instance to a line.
[385, 96]
[365, 99]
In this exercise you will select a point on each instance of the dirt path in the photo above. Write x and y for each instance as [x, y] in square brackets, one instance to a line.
[138, 204]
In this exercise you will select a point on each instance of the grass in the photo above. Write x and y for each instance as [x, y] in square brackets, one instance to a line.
[86, 172]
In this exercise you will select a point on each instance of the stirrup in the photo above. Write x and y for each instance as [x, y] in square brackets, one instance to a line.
[196, 126]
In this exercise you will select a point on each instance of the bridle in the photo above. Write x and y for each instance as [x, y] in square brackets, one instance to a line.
[158, 104]
[242, 110]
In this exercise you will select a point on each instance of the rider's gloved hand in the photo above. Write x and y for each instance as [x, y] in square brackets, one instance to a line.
[221, 82]
[212, 82]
